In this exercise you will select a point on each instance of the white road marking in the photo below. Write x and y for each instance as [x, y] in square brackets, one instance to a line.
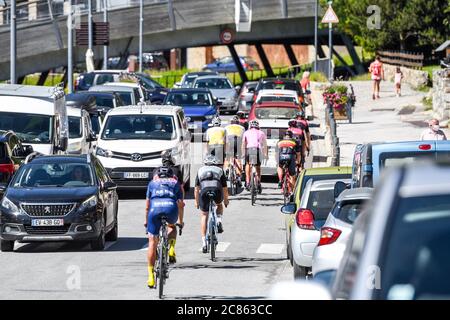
[270, 248]
[221, 247]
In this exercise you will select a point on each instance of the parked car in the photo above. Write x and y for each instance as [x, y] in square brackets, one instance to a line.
[280, 84]
[370, 159]
[103, 99]
[398, 247]
[314, 174]
[156, 92]
[245, 99]
[226, 64]
[59, 198]
[198, 105]
[130, 94]
[315, 205]
[221, 88]
[337, 229]
[81, 135]
[267, 95]
[132, 139]
[273, 119]
[188, 78]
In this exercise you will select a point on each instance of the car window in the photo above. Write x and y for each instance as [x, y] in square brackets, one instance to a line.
[88, 79]
[418, 270]
[3, 152]
[321, 202]
[275, 113]
[126, 98]
[189, 98]
[323, 177]
[104, 101]
[104, 78]
[348, 211]
[213, 83]
[398, 158]
[95, 123]
[30, 128]
[75, 128]
[99, 170]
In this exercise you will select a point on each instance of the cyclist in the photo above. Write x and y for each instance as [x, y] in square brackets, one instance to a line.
[254, 146]
[303, 124]
[167, 161]
[163, 199]
[215, 138]
[210, 178]
[289, 155]
[299, 135]
[234, 132]
[242, 119]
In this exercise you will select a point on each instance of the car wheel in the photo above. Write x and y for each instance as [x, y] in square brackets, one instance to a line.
[6, 246]
[99, 243]
[114, 233]
[299, 272]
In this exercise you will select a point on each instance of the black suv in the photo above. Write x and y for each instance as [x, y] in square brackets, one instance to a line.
[59, 198]
[12, 153]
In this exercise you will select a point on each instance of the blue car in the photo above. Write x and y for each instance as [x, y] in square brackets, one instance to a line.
[370, 159]
[199, 107]
[227, 64]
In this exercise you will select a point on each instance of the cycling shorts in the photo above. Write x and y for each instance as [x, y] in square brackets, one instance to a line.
[288, 160]
[161, 207]
[234, 147]
[204, 197]
[218, 151]
[253, 156]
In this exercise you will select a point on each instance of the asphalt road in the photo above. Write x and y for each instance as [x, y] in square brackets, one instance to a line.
[251, 257]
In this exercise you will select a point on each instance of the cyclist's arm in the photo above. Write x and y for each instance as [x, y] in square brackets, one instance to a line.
[147, 207]
[243, 145]
[180, 197]
[197, 192]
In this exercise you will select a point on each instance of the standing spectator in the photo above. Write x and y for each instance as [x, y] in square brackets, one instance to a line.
[398, 81]
[433, 132]
[377, 72]
[305, 83]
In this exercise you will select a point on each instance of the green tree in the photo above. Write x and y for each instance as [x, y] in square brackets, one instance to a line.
[405, 24]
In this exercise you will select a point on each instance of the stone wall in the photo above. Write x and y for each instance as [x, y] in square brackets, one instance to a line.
[415, 78]
[441, 94]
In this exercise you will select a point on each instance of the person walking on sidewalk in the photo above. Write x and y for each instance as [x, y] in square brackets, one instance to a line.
[377, 73]
[433, 132]
[398, 81]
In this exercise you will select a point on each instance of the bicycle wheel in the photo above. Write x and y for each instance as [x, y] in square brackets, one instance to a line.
[232, 181]
[161, 266]
[285, 189]
[212, 234]
[253, 188]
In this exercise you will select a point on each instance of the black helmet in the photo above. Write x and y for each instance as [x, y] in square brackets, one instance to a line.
[288, 133]
[165, 172]
[301, 114]
[241, 114]
[292, 123]
[235, 120]
[166, 158]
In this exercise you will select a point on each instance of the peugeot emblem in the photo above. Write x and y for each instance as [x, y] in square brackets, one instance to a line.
[47, 209]
[136, 157]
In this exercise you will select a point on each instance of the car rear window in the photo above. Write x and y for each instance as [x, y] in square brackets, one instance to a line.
[348, 211]
[399, 158]
[319, 177]
[321, 202]
[415, 259]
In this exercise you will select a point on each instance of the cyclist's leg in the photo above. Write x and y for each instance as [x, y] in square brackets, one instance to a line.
[204, 208]
[219, 210]
[247, 168]
[153, 226]
[172, 218]
[292, 171]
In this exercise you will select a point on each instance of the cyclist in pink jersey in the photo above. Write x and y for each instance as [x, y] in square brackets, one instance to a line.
[254, 146]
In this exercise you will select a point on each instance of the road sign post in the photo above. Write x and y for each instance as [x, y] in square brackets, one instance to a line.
[330, 17]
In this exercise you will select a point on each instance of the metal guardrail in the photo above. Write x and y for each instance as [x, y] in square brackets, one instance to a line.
[39, 10]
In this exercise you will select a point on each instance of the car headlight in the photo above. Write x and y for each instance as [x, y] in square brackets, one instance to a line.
[90, 202]
[9, 205]
[103, 153]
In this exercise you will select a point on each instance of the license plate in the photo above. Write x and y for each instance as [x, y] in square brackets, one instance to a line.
[135, 175]
[47, 222]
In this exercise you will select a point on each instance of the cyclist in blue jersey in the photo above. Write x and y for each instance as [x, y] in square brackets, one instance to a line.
[164, 197]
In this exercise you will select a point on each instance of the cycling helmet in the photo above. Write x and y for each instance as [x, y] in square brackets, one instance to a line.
[301, 114]
[288, 133]
[292, 123]
[166, 157]
[240, 114]
[234, 120]
[254, 124]
[216, 122]
[210, 160]
[165, 172]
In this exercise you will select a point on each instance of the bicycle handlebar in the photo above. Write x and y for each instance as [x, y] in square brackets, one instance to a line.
[180, 228]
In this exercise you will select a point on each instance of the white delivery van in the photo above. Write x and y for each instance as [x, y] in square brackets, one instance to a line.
[81, 135]
[132, 138]
[37, 115]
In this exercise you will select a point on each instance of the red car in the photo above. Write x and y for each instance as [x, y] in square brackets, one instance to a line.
[276, 111]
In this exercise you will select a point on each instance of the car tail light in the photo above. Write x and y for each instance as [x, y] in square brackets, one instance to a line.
[279, 82]
[7, 168]
[305, 219]
[425, 147]
[328, 235]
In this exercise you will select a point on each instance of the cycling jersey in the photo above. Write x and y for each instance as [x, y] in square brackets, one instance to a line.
[254, 138]
[210, 179]
[289, 146]
[298, 133]
[215, 135]
[304, 125]
[234, 130]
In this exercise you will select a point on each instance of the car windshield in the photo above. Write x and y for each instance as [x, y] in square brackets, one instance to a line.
[213, 83]
[399, 158]
[75, 127]
[321, 202]
[348, 211]
[282, 85]
[104, 101]
[131, 127]
[275, 113]
[65, 175]
[189, 98]
[318, 177]
[418, 270]
[277, 99]
[189, 80]
[31, 128]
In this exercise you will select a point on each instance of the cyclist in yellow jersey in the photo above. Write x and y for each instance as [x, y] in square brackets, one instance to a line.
[234, 132]
[215, 138]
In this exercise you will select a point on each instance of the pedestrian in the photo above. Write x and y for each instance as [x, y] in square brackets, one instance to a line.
[305, 83]
[377, 74]
[433, 132]
[398, 81]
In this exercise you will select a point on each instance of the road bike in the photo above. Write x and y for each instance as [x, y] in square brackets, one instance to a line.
[211, 231]
[286, 184]
[162, 256]
[253, 183]
[232, 176]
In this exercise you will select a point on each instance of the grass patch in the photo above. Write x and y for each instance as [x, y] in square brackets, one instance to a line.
[423, 88]
[430, 70]
[318, 77]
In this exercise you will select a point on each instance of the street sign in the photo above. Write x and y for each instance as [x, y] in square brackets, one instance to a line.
[330, 16]
[101, 34]
[226, 36]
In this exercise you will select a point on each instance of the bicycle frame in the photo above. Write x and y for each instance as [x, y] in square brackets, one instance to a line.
[211, 228]
[162, 265]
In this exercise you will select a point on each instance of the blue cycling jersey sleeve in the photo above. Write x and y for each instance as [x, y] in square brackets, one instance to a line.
[149, 190]
[178, 192]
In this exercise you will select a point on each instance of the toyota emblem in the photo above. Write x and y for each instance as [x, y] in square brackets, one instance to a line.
[136, 157]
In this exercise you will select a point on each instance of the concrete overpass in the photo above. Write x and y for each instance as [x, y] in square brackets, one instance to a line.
[183, 23]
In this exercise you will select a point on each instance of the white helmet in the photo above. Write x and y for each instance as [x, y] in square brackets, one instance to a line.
[216, 122]
[210, 160]
[254, 124]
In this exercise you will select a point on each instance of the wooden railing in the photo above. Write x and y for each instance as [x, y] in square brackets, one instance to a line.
[401, 58]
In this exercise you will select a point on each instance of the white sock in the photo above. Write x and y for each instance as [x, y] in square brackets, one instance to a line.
[219, 218]
[204, 241]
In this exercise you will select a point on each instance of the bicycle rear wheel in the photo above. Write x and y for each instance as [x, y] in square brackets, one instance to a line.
[212, 234]
[161, 266]
[232, 181]
[253, 188]
[286, 194]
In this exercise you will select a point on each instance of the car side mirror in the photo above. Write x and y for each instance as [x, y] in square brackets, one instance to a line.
[238, 88]
[3, 187]
[289, 208]
[109, 186]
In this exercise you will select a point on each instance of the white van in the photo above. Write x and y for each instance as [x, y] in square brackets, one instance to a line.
[132, 138]
[37, 115]
[81, 136]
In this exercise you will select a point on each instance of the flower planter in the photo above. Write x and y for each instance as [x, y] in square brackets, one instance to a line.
[340, 113]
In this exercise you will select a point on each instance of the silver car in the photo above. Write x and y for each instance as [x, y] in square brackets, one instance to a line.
[221, 88]
[246, 94]
[315, 205]
[337, 229]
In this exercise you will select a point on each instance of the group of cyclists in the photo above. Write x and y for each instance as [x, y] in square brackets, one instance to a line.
[225, 146]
